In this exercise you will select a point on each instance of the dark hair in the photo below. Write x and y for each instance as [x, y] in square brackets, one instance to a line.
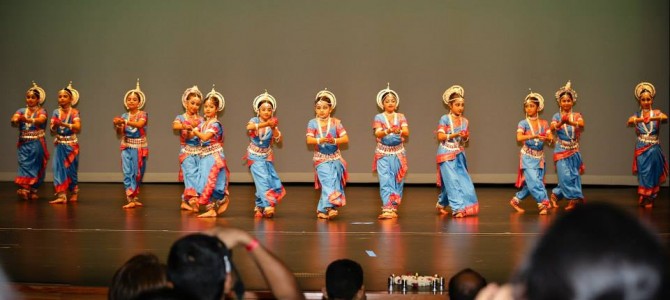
[136, 94]
[197, 266]
[565, 93]
[465, 285]
[141, 273]
[68, 91]
[263, 102]
[214, 99]
[35, 91]
[386, 94]
[344, 278]
[323, 98]
[645, 91]
[191, 94]
[454, 96]
[596, 251]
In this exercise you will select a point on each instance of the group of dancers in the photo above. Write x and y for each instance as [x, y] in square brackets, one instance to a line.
[204, 171]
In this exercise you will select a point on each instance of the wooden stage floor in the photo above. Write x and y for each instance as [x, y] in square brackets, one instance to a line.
[82, 244]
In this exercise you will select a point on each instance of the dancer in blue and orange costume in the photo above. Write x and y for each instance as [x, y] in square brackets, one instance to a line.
[649, 163]
[458, 191]
[212, 169]
[189, 153]
[533, 132]
[263, 130]
[32, 149]
[131, 126]
[567, 126]
[65, 124]
[326, 134]
[390, 162]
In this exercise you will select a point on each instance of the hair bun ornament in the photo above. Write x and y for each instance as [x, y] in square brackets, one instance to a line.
[264, 96]
[74, 93]
[567, 88]
[380, 96]
[192, 90]
[537, 96]
[40, 91]
[217, 95]
[454, 89]
[140, 94]
[328, 94]
[644, 86]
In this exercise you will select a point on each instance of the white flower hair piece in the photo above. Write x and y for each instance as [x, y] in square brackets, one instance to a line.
[217, 95]
[382, 93]
[40, 91]
[73, 92]
[644, 86]
[537, 96]
[140, 94]
[192, 90]
[567, 88]
[264, 97]
[328, 94]
[454, 89]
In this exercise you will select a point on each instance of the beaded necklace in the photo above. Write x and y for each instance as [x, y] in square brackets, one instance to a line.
[651, 123]
[532, 131]
[321, 133]
[395, 120]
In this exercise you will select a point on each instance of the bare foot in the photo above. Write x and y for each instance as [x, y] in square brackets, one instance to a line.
[33, 196]
[459, 215]
[515, 204]
[268, 212]
[129, 205]
[554, 200]
[185, 206]
[223, 206]
[138, 203]
[208, 214]
[74, 197]
[58, 200]
[23, 193]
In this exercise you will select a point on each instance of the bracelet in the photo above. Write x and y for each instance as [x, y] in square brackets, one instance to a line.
[252, 245]
[256, 124]
[335, 141]
[317, 141]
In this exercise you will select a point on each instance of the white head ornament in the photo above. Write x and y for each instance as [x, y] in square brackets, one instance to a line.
[540, 100]
[454, 89]
[40, 92]
[382, 93]
[566, 89]
[192, 90]
[217, 95]
[139, 93]
[264, 97]
[644, 86]
[328, 94]
[73, 92]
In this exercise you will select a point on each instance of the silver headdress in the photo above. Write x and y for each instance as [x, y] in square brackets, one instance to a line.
[217, 95]
[137, 91]
[328, 94]
[387, 90]
[264, 97]
[192, 90]
[454, 89]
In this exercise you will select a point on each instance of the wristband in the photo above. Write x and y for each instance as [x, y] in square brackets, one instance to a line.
[252, 245]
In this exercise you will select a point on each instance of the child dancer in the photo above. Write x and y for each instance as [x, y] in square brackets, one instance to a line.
[131, 126]
[458, 191]
[533, 132]
[32, 149]
[568, 127]
[326, 133]
[213, 170]
[189, 153]
[263, 130]
[390, 162]
[650, 164]
[65, 123]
